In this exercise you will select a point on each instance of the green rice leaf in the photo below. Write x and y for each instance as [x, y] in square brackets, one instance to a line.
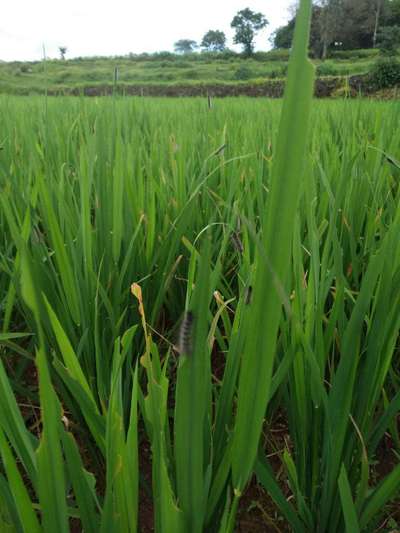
[51, 479]
[349, 510]
[273, 262]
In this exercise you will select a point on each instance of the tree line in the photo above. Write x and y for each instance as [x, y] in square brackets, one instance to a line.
[246, 23]
[336, 25]
[348, 25]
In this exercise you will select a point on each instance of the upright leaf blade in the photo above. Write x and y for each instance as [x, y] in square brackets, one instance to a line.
[273, 262]
[349, 510]
[22, 500]
[51, 480]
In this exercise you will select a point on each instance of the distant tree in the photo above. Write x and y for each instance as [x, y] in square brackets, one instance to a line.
[283, 36]
[246, 24]
[63, 50]
[185, 46]
[347, 25]
[329, 20]
[391, 15]
[214, 41]
[360, 20]
[343, 24]
[388, 40]
[378, 7]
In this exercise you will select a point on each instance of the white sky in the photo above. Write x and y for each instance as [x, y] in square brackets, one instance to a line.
[117, 27]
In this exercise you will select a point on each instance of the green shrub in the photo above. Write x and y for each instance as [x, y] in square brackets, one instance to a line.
[280, 54]
[191, 74]
[243, 73]
[163, 76]
[165, 56]
[153, 64]
[94, 75]
[326, 69]
[278, 73]
[182, 64]
[261, 56]
[228, 55]
[62, 76]
[389, 40]
[386, 73]
[25, 69]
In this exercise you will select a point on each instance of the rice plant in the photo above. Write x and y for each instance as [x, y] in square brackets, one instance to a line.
[173, 278]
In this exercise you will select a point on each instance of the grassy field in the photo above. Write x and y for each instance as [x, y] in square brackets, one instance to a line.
[165, 69]
[97, 195]
[200, 313]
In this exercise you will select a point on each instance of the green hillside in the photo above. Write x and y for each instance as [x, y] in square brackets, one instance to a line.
[167, 69]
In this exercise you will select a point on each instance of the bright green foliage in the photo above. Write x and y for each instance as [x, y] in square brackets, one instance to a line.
[284, 246]
[386, 73]
[214, 41]
[344, 286]
[246, 24]
[217, 68]
[272, 259]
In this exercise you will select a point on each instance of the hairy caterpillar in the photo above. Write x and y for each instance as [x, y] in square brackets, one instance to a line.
[185, 343]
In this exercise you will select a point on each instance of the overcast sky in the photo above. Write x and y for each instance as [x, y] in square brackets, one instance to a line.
[117, 27]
